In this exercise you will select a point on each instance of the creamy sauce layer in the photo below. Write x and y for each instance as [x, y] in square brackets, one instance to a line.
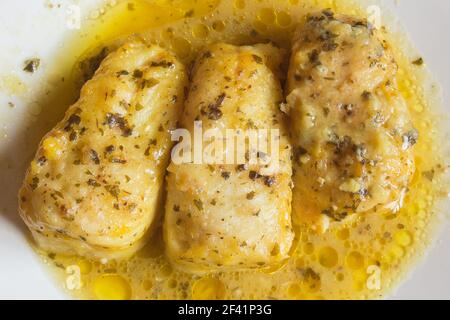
[364, 257]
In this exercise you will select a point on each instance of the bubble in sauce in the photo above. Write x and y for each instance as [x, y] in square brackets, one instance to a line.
[355, 260]
[328, 257]
[283, 19]
[208, 289]
[266, 16]
[111, 287]
[200, 31]
[403, 238]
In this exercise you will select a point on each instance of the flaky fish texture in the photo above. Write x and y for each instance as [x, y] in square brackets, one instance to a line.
[95, 184]
[352, 132]
[231, 216]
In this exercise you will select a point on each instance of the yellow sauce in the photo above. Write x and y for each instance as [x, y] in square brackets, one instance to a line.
[362, 258]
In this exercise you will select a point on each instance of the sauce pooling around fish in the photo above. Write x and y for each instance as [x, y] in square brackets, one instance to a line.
[361, 257]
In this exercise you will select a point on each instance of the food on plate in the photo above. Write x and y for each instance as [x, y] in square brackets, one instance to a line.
[352, 133]
[94, 186]
[362, 186]
[237, 215]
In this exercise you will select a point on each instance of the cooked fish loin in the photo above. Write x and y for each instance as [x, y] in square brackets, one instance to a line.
[231, 216]
[352, 133]
[94, 185]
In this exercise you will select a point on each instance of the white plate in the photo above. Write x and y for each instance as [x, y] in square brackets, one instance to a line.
[30, 28]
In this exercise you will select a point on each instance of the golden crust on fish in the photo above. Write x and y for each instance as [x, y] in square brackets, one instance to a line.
[231, 216]
[352, 134]
[95, 183]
